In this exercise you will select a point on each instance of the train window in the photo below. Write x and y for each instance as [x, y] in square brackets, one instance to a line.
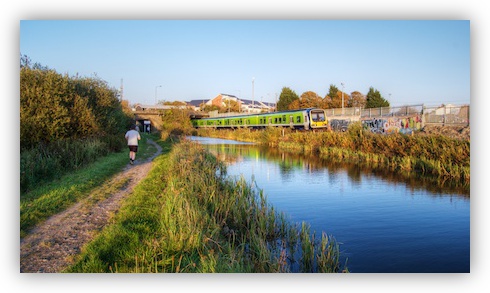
[314, 117]
[284, 118]
[321, 116]
[298, 119]
[318, 116]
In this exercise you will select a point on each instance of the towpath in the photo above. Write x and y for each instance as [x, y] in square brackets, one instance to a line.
[51, 246]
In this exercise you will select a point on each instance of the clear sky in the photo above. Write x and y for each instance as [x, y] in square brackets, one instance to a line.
[409, 62]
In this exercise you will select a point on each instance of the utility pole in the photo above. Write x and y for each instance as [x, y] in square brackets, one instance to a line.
[156, 87]
[342, 97]
[121, 90]
[253, 99]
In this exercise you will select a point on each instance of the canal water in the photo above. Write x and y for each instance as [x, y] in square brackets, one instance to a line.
[383, 224]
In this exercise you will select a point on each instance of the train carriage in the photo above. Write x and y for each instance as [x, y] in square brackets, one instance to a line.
[311, 118]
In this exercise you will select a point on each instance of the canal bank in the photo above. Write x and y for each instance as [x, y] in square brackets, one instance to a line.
[383, 222]
[189, 216]
[438, 157]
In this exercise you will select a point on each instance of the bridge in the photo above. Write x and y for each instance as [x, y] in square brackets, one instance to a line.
[152, 117]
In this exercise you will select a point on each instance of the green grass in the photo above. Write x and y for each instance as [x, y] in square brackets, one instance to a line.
[188, 216]
[55, 196]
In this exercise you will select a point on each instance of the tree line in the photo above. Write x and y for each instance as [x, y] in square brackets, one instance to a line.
[289, 100]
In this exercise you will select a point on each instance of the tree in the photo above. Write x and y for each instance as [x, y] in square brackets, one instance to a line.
[55, 107]
[287, 97]
[334, 98]
[294, 105]
[357, 99]
[375, 100]
[331, 96]
[310, 99]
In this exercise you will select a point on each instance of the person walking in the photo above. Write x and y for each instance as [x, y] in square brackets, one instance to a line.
[132, 136]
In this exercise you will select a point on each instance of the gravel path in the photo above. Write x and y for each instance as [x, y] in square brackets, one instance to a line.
[51, 246]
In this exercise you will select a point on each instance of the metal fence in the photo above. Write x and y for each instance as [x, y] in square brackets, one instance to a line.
[435, 115]
[439, 115]
[447, 115]
[392, 111]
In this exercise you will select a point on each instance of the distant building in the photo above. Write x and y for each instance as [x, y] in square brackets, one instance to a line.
[246, 106]
[196, 104]
[142, 107]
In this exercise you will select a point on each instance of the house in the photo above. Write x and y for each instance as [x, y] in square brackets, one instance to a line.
[196, 104]
[246, 106]
[250, 106]
[142, 107]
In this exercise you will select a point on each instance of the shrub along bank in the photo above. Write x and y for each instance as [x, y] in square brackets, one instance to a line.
[429, 155]
[65, 123]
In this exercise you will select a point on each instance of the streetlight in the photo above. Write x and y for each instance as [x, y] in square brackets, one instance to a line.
[342, 97]
[253, 99]
[156, 93]
[239, 101]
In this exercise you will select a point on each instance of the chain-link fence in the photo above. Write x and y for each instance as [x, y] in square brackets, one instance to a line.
[392, 111]
[447, 115]
[441, 115]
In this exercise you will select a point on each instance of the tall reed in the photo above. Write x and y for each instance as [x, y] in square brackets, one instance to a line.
[188, 215]
[430, 155]
[48, 161]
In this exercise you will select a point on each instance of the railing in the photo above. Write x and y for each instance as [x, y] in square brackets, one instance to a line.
[441, 115]
[447, 115]
[392, 111]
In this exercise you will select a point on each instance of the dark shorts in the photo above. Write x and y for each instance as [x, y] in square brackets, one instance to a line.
[133, 148]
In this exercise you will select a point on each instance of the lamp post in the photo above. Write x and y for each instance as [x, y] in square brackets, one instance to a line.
[156, 93]
[253, 99]
[239, 102]
[342, 97]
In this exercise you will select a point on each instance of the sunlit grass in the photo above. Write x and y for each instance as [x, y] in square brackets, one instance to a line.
[189, 216]
[52, 197]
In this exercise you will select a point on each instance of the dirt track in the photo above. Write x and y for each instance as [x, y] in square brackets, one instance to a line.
[50, 247]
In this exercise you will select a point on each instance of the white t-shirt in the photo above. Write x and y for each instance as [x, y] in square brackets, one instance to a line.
[132, 136]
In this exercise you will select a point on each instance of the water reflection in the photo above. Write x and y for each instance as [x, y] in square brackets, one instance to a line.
[385, 222]
[288, 163]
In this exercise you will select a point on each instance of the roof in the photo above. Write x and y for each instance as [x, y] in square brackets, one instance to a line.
[250, 102]
[197, 103]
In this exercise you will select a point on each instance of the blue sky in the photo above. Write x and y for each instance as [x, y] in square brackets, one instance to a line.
[409, 62]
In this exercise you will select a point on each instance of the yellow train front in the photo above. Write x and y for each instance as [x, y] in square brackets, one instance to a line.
[307, 119]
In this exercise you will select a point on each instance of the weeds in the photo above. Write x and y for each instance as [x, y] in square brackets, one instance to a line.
[189, 216]
[436, 156]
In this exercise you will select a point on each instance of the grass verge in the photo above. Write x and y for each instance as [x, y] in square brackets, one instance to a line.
[188, 216]
[55, 196]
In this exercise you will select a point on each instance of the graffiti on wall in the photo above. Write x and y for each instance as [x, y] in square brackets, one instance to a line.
[339, 124]
[393, 124]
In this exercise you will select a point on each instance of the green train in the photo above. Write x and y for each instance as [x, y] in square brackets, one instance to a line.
[307, 119]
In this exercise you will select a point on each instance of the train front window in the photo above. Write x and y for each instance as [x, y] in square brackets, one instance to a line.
[318, 116]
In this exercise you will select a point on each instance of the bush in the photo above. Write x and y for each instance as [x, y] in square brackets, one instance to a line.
[49, 161]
